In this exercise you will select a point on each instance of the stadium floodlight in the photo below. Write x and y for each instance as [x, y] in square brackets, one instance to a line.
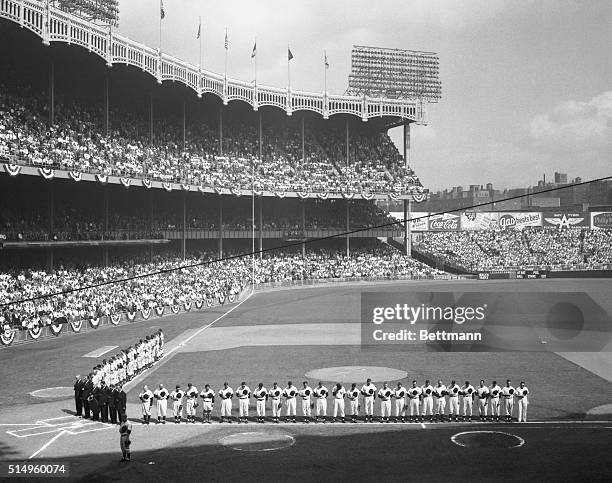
[99, 11]
[395, 74]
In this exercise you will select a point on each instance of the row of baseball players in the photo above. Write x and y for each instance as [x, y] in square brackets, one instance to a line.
[421, 401]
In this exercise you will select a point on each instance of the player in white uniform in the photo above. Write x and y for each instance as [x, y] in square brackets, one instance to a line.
[483, 396]
[453, 401]
[125, 429]
[494, 400]
[353, 397]
[191, 402]
[384, 394]
[275, 397]
[161, 396]
[208, 399]
[508, 395]
[338, 392]
[290, 393]
[321, 393]
[400, 402]
[226, 395]
[243, 393]
[414, 400]
[305, 396]
[522, 393]
[261, 396]
[146, 398]
[468, 392]
[427, 393]
[440, 393]
[177, 403]
[368, 390]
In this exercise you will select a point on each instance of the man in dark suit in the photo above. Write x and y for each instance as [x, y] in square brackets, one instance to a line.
[102, 397]
[78, 395]
[120, 402]
[112, 406]
[86, 394]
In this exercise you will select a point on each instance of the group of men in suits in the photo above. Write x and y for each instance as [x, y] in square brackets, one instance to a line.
[102, 402]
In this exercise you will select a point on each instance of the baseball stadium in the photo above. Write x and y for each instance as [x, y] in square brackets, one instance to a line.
[166, 229]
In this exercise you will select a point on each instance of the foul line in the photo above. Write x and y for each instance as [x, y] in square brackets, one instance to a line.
[47, 444]
[300, 243]
[166, 356]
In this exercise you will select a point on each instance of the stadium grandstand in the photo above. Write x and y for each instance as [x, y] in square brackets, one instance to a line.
[118, 161]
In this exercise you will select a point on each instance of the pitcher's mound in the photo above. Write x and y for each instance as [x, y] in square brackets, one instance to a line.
[52, 392]
[356, 374]
[258, 441]
[487, 439]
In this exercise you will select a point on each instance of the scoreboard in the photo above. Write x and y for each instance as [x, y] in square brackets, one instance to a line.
[512, 274]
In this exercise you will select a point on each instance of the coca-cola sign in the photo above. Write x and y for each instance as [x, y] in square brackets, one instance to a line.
[601, 220]
[444, 222]
[519, 220]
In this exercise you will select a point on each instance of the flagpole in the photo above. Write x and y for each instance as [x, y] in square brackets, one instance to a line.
[161, 9]
[288, 69]
[255, 60]
[325, 69]
[226, 48]
[200, 32]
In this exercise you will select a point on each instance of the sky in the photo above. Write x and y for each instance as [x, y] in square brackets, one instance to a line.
[526, 84]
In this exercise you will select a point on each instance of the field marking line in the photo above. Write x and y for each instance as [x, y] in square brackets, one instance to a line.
[47, 444]
[128, 386]
[453, 438]
[423, 425]
[100, 351]
[20, 424]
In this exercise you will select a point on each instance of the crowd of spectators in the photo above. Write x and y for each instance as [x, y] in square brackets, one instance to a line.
[41, 297]
[536, 247]
[76, 142]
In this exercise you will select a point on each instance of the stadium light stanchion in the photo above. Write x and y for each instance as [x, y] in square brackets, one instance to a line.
[253, 226]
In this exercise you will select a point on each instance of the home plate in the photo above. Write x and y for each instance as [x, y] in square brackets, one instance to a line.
[258, 441]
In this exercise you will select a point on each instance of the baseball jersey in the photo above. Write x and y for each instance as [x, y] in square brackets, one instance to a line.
[399, 392]
[467, 390]
[261, 394]
[521, 392]
[146, 396]
[226, 392]
[508, 391]
[177, 395]
[290, 392]
[353, 393]
[495, 390]
[427, 390]
[483, 392]
[385, 393]
[207, 395]
[243, 392]
[275, 392]
[192, 392]
[305, 393]
[339, 393]
[414, 392]
[161, 393]
[321, 392]
[368, 390]
[454, 390]
[440, 391]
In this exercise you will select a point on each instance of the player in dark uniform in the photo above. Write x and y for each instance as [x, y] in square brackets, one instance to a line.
[120, 402]
[88, 387]
[78, 395]
[112, 405]
[102, 397]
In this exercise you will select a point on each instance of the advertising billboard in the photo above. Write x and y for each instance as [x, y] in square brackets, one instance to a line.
[444, 222]
[601, 220]
[565, 220]
[479, 220]
[518, 220]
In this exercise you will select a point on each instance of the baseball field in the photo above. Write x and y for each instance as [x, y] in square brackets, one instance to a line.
[312, 334]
